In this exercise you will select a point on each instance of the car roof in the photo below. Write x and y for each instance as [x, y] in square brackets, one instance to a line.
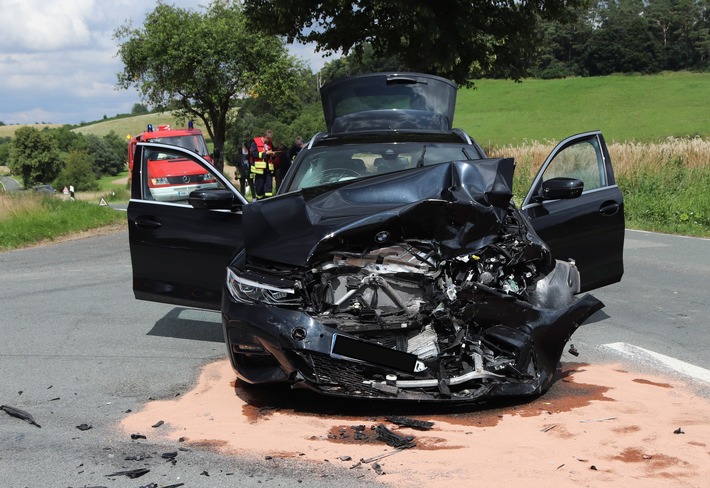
[389, 102]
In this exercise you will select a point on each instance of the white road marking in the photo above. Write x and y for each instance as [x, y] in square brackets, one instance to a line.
[647, 356]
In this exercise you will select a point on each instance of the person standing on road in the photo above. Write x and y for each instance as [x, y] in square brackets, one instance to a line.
[262, 165]
[243, 169]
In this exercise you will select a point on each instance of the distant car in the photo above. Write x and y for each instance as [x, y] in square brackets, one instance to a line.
[393, 263]
[44, 189]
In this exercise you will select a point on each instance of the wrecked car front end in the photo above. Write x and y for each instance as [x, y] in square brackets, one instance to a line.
[426, 285]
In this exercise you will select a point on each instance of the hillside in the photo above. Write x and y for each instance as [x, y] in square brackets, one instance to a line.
[130, 126]
[501, 112]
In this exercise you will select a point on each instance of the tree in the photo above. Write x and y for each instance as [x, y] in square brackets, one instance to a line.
[35, 157]
[451, 38]
[202, 61]
[138, 109]
[79, 171]
[106, 160]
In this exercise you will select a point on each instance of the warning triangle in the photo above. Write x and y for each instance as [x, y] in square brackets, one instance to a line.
[103, 202]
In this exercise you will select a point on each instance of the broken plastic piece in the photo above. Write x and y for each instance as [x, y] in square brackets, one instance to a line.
[407, 422]
[157, 424]
[678, 431]
[131, 473]
[573, 350]
[392, 439]
[138, 436]
[83, 426]
[20, 414]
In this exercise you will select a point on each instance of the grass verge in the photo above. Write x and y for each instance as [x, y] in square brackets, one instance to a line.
[27, 218]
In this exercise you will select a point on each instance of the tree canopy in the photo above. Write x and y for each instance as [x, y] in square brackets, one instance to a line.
[452, 38]
[203, 61]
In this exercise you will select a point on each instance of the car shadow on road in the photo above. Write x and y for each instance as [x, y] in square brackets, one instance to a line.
[186, 323]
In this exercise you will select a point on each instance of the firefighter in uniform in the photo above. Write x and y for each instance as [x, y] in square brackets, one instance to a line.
[262, 157]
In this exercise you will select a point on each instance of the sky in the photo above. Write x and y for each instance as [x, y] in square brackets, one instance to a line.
[58, 60]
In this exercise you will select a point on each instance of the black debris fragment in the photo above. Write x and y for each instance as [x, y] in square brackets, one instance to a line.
[408, 422]
[378, 469]
[20, 414]
[176, 485]
[131, 473]
[593, 468]
[138, 436]
[54, 399]
[573, 350]
[391, 439]
[169, 455]
[157, 424]
[83, 426]
[204, 473]
[149, 485]
[679, 431]
[345, 458]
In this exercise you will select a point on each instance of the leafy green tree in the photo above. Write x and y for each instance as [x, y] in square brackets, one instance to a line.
[624, 43]
[66, 139]
[138, 109]
[355, 64]
[106, 161]
[5, 146]
[450, 38]
[79, 171]
[119, 145]
[35, 157]
[203, 61]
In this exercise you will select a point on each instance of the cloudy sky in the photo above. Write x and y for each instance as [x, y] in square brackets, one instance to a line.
[58, 59]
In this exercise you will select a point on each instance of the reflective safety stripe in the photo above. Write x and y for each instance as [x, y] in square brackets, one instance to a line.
[271, 167]
[257, 171]
[260, 164]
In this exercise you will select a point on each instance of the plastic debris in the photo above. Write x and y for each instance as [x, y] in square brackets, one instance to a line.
[138, 436]
[678, 431]
[131, 473]
[407, 422]
[392, 439]
[20, 414]
[157, 424]
[573, 350]
[83, 426]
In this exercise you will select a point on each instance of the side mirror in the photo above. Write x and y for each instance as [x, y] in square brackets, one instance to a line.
[562, 188]
[212, 199]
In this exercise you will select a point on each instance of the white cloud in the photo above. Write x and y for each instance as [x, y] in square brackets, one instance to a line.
[58, 58]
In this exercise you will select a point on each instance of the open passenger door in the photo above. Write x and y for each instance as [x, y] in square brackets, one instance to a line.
[576, 207]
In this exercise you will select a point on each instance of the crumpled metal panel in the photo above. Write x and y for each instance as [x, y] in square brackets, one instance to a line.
[460, 204]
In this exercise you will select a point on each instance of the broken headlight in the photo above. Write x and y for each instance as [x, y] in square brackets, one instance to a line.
[250, 291]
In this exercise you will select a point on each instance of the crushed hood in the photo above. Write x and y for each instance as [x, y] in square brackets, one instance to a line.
[460, 204]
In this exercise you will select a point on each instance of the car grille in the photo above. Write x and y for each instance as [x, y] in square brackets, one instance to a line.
[184, 180]
[338, 376]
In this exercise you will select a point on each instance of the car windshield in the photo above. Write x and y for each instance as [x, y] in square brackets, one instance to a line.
[324, 165]
[191, 142]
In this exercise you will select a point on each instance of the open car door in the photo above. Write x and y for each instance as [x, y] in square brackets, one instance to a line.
[576, 207]
[184, 224]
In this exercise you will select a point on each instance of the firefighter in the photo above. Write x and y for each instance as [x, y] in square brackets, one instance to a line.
[261, 160]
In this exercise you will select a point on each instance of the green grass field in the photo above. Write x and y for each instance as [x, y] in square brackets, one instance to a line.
[625, 108]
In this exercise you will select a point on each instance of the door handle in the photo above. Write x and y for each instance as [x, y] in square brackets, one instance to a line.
[148, 222]
[609, 208]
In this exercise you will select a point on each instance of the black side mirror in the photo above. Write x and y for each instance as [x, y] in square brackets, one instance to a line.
[211, 199]
[562, 188]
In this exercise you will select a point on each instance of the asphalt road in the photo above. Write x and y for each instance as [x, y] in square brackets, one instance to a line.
[78, 349]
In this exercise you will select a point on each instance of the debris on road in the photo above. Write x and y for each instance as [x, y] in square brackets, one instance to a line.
[83, 426]
[573, 350]
[679, 431]
[131, 473]
[392, 439]
[138, 436]
[20, 414]
[157, 424]
[408, 422]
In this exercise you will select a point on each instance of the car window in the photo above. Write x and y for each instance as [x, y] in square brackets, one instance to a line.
[170, 176]
[582, 160]
[325, 165]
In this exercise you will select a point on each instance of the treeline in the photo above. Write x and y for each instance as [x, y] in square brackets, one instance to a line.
[627, 36]
[61, 157]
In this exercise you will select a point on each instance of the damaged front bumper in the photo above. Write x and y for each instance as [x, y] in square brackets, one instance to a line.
[516, 356]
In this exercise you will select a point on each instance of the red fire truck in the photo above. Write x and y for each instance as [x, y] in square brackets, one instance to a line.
[172, 179]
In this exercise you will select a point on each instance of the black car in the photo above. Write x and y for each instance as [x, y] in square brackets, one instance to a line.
[393, 263]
